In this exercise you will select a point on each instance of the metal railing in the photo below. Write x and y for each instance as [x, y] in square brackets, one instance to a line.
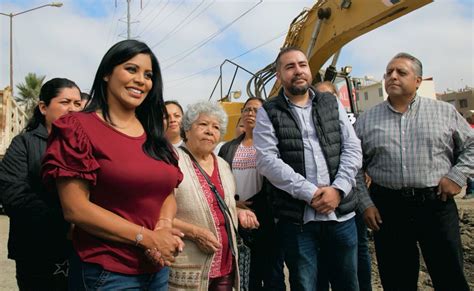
[12, 119]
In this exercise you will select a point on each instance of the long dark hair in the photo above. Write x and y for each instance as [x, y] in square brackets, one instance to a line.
[48, 91]
[152, 110]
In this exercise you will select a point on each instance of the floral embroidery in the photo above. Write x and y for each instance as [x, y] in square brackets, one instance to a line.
[215, 270]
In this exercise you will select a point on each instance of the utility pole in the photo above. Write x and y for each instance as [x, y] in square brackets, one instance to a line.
[11, 15]
[129, 18]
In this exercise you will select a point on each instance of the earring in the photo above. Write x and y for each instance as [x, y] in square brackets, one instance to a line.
[106, 79]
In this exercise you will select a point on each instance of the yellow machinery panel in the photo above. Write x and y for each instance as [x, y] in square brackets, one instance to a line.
[233, 110]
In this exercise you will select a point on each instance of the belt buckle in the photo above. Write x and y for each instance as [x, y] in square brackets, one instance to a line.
[413, 195]
[408, 192]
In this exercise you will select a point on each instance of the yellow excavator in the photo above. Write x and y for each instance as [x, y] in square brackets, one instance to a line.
[321, 32]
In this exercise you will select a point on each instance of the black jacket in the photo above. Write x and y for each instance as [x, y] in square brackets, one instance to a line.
[261, 203]
[227, 151]
[325, 117]
[37, 226]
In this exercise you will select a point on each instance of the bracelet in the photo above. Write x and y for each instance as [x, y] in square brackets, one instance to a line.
[167, 219]
[139, 236]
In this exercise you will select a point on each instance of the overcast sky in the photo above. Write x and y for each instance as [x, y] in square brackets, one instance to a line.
[70, 41]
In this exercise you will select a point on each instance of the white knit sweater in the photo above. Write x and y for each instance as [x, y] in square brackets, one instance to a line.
[191, 269]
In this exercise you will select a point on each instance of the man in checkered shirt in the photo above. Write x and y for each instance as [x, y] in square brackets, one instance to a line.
[419, 153]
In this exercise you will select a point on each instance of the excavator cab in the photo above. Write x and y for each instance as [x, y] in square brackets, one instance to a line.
[346, 88]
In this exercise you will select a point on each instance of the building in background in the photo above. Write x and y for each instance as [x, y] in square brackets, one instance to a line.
[372, 92]
[462, 99]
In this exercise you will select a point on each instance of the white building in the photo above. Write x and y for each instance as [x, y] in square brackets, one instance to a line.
[372, 93]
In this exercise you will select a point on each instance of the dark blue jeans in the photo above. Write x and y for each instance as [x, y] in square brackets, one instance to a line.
[409, 225]
[333, 242]
[364, 266]
[363, 261]
[86, 276]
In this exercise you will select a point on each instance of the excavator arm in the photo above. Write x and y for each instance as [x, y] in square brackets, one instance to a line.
[321, 32]
[330, 24]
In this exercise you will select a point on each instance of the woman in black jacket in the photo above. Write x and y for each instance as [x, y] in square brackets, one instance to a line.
[266, 264]
[37, 240]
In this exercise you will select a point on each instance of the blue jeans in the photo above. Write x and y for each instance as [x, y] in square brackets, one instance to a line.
[87, 276]
[333, 242]
[364, 266]
[363, 261]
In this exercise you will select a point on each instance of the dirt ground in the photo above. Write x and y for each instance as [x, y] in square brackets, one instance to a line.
[466, 214]
[7, 267]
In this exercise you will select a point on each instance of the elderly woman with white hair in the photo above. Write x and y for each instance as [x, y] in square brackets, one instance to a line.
[209, 259]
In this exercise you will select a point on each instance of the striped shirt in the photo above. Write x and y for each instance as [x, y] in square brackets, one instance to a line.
[418, 147]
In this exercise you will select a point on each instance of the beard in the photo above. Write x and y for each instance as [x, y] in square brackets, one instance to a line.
[298, 90]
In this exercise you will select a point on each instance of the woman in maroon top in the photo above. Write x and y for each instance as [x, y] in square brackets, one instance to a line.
[115, 173]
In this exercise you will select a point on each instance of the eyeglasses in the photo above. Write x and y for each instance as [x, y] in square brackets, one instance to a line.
[248, 109]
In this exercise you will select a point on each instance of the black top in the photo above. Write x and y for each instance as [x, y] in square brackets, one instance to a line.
[37, 227]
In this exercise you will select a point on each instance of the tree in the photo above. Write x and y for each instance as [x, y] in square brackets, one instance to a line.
[28, 94]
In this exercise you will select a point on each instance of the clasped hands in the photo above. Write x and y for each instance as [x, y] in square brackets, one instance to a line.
[326, 199]
[166, 244]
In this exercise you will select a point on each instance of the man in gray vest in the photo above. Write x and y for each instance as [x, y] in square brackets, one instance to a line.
[419, 153]
[308, 151]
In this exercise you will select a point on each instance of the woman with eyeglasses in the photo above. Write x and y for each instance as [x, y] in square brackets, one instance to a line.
[266, 266]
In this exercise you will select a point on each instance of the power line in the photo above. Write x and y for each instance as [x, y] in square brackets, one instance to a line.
[234, 58]
[115, 34]
[260, 45]
[191, 20]
[171, 13]
[199, 14]
[179, 26]
[209, 38]
[109, 34]
[151, 10]
[155, 18]
[142, 8]
[204, 42]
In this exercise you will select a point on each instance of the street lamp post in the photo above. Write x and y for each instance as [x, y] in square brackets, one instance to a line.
[11, 15]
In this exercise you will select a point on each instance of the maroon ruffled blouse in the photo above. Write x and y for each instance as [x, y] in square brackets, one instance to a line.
[122, 179]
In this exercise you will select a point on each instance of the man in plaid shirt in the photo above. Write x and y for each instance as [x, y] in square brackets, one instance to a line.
[419, 153]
